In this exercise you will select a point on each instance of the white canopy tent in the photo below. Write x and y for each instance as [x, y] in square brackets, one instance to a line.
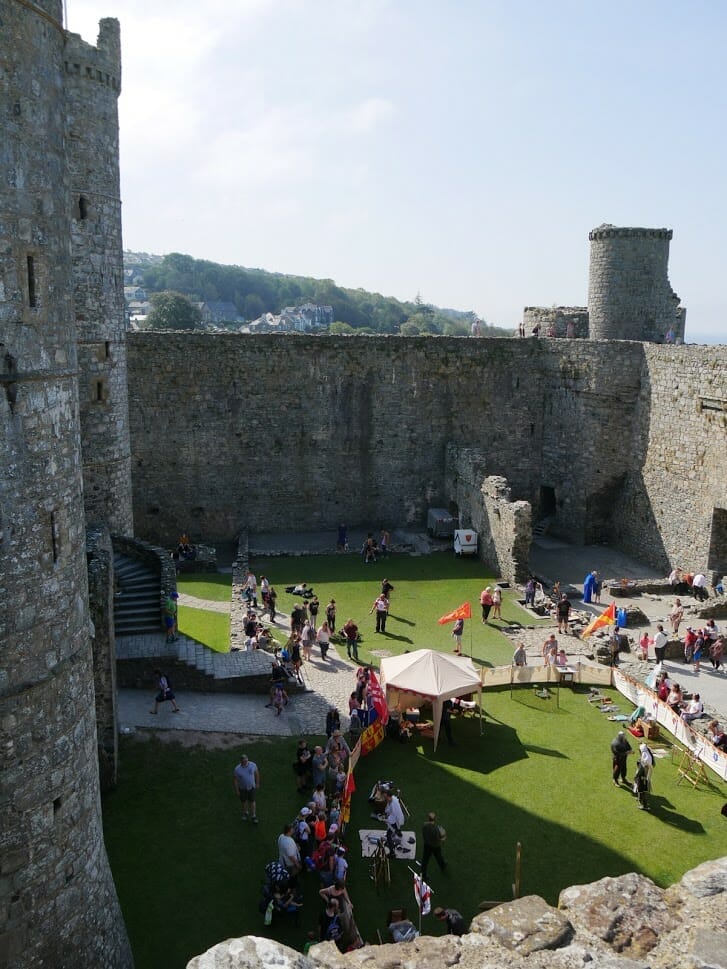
[429, 675]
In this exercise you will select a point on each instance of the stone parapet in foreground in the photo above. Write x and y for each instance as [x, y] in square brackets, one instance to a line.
[625, 923]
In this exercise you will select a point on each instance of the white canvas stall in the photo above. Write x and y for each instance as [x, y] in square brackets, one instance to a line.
[427, 674]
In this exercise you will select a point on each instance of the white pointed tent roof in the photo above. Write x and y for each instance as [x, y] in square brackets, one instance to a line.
[429, 675]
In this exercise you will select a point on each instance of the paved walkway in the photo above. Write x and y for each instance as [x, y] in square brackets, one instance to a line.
[552, 559]
[330, 683]
[327, 683]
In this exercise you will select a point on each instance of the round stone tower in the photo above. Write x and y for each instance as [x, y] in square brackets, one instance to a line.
[59, 905]
[629, 296]
[92, 84]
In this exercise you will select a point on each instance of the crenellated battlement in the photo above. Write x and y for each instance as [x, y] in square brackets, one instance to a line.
[100, 64]
[92, 73]
[623, 232]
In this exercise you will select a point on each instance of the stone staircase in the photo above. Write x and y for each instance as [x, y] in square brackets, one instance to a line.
[137, 603]
[541, 527]
[190, 665]
[222, 666]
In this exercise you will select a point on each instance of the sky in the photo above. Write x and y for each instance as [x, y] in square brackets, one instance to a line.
[459, 149]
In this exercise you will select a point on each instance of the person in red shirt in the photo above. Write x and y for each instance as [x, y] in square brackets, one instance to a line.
[350, 631]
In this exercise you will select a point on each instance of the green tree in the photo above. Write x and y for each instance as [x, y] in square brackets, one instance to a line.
[254, 306]
[172, 311]
[340, 329]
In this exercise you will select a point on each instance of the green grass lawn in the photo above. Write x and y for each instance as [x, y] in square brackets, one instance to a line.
[425, 588]
[210, 628]
[184, 861]
[213, 586]
[188, 870]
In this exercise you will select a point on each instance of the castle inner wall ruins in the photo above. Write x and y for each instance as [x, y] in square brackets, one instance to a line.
[299, 433]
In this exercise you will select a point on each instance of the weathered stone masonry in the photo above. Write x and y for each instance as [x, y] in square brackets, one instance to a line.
[617, 441]
[269, 433]
[58, 905]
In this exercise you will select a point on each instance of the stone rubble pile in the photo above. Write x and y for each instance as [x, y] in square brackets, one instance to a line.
[615, 923]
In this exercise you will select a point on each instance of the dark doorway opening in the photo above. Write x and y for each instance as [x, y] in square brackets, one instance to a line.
[717, 560]
[547, 501]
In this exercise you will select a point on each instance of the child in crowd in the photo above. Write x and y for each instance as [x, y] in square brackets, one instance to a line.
[319, 797]
[334, 815]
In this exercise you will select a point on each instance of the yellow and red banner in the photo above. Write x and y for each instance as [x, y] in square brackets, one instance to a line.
[464, 612]
[607, 618]
[371, 737]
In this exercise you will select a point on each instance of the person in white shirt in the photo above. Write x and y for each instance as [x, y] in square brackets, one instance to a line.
[288, 851]
[249, 589]
[699, 586]
[694, 709]
[394, 817]
[660, 641]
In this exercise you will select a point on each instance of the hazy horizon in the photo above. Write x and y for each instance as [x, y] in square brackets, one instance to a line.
[462, 152]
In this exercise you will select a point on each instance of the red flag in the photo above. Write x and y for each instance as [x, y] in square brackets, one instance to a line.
[371, 737]
[464, 612]
[378, 700]
[607, 618]
[348, 790]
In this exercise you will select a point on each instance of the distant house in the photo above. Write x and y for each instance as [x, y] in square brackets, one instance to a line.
[138, 308]
[305, 317]
[293, 319]
[219, 312]
[134, 292]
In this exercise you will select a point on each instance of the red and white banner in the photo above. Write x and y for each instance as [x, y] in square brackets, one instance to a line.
[423, 895]
[378, 700]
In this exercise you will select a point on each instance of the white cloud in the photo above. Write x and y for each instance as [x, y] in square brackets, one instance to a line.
[280, 146]
[371, 114]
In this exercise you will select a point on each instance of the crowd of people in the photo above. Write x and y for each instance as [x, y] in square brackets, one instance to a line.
[309, 845]
[699, 643]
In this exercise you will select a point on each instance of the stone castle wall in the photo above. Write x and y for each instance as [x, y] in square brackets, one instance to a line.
[558, 317]
[303, 432]
[673, 507]
[100, 567]
[92, 83]
[58, 905]
[503, 526]
[270, 433]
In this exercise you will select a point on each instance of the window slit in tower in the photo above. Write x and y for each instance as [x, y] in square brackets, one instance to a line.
[54, 536]
[32, 300]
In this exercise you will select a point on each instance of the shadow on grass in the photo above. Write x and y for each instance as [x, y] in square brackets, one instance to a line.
[543, 751]
[405, 622]
[183, 859]
[662, 808]
[398, 639]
